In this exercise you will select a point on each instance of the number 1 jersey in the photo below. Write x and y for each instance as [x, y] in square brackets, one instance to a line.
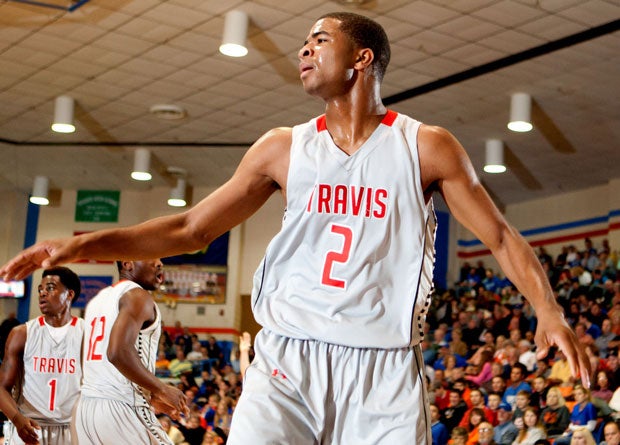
[52, 371]
[353, 261]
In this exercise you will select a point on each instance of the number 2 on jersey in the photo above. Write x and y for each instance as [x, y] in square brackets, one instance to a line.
[98, 324]
[334, 256]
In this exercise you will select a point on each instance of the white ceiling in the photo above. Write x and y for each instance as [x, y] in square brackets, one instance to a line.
[117, 58]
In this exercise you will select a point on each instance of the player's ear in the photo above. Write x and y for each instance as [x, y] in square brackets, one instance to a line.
[128, 265]
[364, 58]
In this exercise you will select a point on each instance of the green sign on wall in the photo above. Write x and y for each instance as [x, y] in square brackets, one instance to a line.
[97, 205]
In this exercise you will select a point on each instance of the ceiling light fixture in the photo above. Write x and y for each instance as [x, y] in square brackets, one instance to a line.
[177, 194]
[142, 165]
[520, 112]
[494, 156]
[235, 34]
[168, 111]
[63, 115]
[40, 191]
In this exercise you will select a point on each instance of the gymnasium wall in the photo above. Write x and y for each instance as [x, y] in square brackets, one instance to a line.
[551, 222]
[554, 222]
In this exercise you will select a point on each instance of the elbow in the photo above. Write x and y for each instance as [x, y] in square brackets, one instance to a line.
[114, 355]
[196, 234]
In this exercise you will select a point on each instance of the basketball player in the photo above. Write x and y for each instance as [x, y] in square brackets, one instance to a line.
[123, 325]
[344, 288]
[42, 367]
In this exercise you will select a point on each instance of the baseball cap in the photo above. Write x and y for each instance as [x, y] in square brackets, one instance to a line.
[505, 406]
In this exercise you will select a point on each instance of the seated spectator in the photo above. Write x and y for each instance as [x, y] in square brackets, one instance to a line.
[477, 402]
[505, 430]
[493, 401]
[582, 336]
[485, 434]
[613, 365]
[522, 402]
[179, 365]
[531, 429]
[543, 369]
[596, 362]
[193, 431]
[497, 370]
[210, 408]
[174, 434]
[214, 351]
[474, 419]
[583, 415]
[439, 432]
[538, 397]
[608, 339]
[453, 414]
[526, 355]
[582, 436]
[459, 436]
[560, 370]
[601, 388]
[215, 436]
[223, 415]
[555, 416]
[457, 345]
[483, 362]
[162, 364]
[517, 383]
[611, 431]
[196, 353]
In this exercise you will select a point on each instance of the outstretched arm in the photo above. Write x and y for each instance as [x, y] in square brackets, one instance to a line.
[446, 167]
[262, 171]
[12, 367]
[136, 307]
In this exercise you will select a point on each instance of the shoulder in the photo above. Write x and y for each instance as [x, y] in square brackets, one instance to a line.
[441, 154]
[16, 340]
[268, 157]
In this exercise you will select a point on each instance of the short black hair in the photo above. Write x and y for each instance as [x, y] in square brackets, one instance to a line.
[67, 277]
[365, 33]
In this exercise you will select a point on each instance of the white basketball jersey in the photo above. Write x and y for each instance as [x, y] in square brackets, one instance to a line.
[101, 378]
[52, 372]
[353, 262]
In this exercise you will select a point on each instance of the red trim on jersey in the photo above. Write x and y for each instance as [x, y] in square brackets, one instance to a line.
[73, 321]
[119, 282]
[41, 321]
[321, 123]
[388, 119]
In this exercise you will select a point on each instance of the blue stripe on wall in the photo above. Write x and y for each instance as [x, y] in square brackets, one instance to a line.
[441, 249]
[552, 228]
[32, 224]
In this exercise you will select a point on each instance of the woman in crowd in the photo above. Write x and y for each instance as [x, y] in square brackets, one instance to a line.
[532, 429]
[555, 417]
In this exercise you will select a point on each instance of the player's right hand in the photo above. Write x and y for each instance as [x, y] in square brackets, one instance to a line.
[27, 429]
[171, 401]
[42, 255]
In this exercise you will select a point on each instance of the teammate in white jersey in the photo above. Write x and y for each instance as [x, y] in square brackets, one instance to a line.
[338, 360]
[123, 326]
[42, 368]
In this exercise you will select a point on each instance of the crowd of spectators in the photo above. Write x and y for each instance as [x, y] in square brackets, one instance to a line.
[481, 360]
[210, 377]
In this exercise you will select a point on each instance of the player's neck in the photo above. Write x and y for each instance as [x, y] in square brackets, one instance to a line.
[351, 119]
[58, 320]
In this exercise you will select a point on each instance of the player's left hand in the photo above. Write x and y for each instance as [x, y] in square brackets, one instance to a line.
[554, 330]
